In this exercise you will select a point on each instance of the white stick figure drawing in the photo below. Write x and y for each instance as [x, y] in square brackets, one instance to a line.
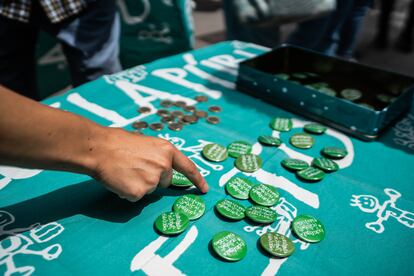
[134, 19]
[8, 174]
[14, 242]
[196, 157]
[370, 204]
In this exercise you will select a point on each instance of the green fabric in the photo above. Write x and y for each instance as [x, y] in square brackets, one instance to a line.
[104, 235]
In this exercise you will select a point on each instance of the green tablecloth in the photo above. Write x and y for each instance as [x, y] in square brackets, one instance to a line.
[62, 223]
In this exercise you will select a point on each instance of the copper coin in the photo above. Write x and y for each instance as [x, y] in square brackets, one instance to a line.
[177, 114]
[137, 132]
[167, 119]
[163, 113]
[200, 113]
[213, 120]
[175, 126]
[190, 118]
[156, 126]
[189, 108]
[184, 122]
[201, 99]
[214, 108]
[180, 103]
[140, 125]
[166, 103]
[144, 109]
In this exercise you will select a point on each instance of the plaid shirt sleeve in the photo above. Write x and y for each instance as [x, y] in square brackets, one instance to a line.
[56, 10]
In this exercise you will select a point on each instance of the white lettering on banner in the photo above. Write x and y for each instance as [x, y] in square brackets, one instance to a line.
[134, 74]
[384, 211]
[160, 34]
[134, 19]
[16, 243]
[404, 132]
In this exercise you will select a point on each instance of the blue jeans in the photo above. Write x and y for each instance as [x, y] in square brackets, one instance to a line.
[89, 41]
[334, 34]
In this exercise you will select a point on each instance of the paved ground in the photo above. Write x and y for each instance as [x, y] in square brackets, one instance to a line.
[210, 29]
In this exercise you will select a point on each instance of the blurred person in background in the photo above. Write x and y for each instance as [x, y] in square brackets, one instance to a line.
[405, 41]
[88, 31]
[334, 34]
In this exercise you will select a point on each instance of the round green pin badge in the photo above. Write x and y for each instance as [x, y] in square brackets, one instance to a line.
[215, 152]
[351, 94]
[248, 163]
[282, 76]
[264, 195]
[239, 187]
[294, 164]
[325, 164]
[230, 209]
[327, 91]
[192, 206]
[315, 128]
[300, 76]
[261, 214]
[277, 245]
[238, 148]
[171, 223]
[311, 174]
[302, 140]
[281, 124]
[334, 152]
[179, 180]
[229, 246]
[308, 228]
[269, 140]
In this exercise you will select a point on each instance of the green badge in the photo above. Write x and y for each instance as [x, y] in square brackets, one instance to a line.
[239, 187]
[215, 152]
[318, 85]
[261, 214]
[315, 128]
[351, 94]
[192, 206]
[294, 164]
[230, 209]
[311, 174]
[269, 140]
[229, 246]
[386, 98]
[334, 153]
[238, 148]
[327, 91]
[264, 194]
[282, 76]
[308, 228]
[171, 223]
[300, 76]
[302, 140]
[277, 244]
[179, 180]
[281, 124]
[325, 164]
[248, 163]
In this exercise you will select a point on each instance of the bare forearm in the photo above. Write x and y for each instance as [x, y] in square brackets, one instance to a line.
[37, 136]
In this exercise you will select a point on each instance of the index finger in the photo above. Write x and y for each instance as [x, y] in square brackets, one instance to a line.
[185, 166]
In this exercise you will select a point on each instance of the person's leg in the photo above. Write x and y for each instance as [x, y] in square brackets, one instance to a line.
[381, 39]
[17, 62]
[90, 41]
[352, 27]
[405, 41]
[308, 33]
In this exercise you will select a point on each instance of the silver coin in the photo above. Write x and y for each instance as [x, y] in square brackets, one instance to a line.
[177, 114]
[144, 109]
[200, 113]
[214, 108]
[166, 103]
[168, 119]
[140, 125]
[163, 113]
[190, 119]
[213, 120]
[180, 103]
[175, 126]
[201, 99]
[156, 126]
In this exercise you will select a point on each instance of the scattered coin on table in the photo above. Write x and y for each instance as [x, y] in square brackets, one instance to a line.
[177, 114]
[201, 99]
[166, 103]
[167, 119]
[200, 113]
[156, 126]
[190, 119]
[163, 113]
[144, 109]
[139, 125]
[175, 126]
[189, 108]
[214, 109]
[180, 103]
[213, 120]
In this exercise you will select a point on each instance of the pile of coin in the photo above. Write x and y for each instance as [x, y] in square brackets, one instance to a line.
[177, 114]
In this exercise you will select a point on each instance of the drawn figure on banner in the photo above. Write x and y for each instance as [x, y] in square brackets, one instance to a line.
[8, 174]
[158, 34]
[195, 153]
[15, 242]
[404, 132]
[130, 19]
[371, 204]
